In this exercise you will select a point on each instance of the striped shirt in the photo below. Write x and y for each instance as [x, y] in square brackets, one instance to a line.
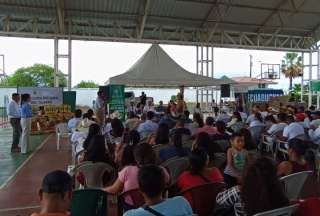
[231, 198]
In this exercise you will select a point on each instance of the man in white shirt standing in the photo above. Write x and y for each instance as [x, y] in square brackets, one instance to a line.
[149, 107]
[132, 108]
[100, 108]
[14, 113]
[293, 130]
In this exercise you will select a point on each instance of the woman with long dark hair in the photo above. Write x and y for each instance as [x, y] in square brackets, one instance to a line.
[96, 150]
[260, 191]
[162, 134]
[94, 129]
[199, 172]
[114, 137]
[198, 120]
[128, 176]
[301, 158]
[26, 115]
[221, 132]
[127, 157]
[202, 141]
[248, 140]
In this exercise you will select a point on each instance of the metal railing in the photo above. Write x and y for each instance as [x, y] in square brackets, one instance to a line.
[4, 120]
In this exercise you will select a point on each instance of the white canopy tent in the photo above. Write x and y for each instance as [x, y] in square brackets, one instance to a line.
[157, 69]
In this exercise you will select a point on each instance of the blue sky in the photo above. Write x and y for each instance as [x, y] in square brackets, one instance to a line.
[98, 61]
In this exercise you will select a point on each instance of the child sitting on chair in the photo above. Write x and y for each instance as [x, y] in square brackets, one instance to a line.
[236, 158]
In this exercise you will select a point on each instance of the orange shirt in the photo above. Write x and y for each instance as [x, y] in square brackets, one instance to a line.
[51, 214]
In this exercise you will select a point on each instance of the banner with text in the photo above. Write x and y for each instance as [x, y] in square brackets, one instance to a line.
[117, 100]
[43, 95]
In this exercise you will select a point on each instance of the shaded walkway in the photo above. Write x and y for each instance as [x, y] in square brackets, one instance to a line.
[21, 191]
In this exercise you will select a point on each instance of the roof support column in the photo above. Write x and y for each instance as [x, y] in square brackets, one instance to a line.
[197, 70]
[204, 67]
[302, 81]
[56, 63]
[318, 76]
[69, 64]
[310, 78]
[57, 57]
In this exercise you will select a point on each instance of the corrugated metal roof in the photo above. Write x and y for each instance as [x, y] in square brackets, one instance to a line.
[165, 17]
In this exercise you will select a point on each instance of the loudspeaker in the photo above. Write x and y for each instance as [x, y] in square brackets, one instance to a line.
[225, 90]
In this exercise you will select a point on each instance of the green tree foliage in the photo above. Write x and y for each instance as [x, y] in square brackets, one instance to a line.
[292, 67]
[87, 84]
[37, 75]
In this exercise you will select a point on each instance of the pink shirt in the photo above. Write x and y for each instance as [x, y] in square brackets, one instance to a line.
[129, 177]
[208, 129]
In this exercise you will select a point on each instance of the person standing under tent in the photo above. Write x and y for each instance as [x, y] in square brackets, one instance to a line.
[100, 108]
[26, 115]
[181, 104]
[197, 109]
[132, 108]
[143, 98]
[215, 108]
[14, 113]
[149, 107]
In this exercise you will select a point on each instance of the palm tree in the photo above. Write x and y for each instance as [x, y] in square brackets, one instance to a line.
[292, 67]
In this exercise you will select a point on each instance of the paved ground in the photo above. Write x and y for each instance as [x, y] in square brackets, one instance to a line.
[11, 162]
[19, 196]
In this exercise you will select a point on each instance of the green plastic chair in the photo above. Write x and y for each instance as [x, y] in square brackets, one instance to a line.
[89, 202]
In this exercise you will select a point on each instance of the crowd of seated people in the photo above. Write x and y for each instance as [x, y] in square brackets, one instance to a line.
[250, 175]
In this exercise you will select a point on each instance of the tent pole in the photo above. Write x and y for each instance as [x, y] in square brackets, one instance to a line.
[181, 89]
[197, 69]
[310, 78]
[318, 77]
[302, 81]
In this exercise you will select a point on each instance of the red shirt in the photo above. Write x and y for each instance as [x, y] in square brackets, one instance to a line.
[187, 180]
[208, 129]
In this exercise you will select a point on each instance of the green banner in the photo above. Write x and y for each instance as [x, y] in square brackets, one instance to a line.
[70, 98]
[117, 100]
[315, 85]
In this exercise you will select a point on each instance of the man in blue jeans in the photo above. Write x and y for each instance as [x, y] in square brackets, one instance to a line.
[14, 114]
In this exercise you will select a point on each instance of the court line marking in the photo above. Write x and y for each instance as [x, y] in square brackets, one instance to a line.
[26, 161]
[19, 208]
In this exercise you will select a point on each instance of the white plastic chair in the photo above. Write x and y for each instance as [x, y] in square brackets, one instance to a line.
[94, 173]
[219, 159]
[223, 144]
[269, 141]
[77, 147]
[293, 184]
[256, 132]
[62, 131]
[176, 166]
[285, 211]
[282, 146]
